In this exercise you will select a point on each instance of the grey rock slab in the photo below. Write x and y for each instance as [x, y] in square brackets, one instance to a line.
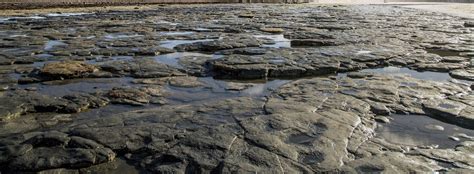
[465, 74]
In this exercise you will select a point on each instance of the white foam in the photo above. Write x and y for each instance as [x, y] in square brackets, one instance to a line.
[66, 14]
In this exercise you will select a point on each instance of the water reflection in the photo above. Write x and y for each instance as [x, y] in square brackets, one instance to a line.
[172, 59]
[175, 33]
[53, 43]
[279, 41]
[420, 130]
[426, 75]
[173, 43]
[120, 36]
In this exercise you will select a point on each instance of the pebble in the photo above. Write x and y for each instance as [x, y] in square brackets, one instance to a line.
[434, 127]
[454, 138]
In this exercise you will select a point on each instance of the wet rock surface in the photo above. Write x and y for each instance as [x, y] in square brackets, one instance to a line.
[237, 89]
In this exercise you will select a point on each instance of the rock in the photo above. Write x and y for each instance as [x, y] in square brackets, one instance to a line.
[245, 51]
[454, 138]
[140, 68]
[227, 42]
[129, 96]
[434, 127]
[66, 70]
[148, 68]
[453, 59]
[465, 74]
[49, 139]
[20, 102]
[81, 102]
[11, 109]
[47, 158]
[453, 111]
[379, 109]
[284, 63]
[459, 157]
[246, 15]
[382, 119]
[469, 24]
[195, 65]
[313, 42]
[357, 75]
[390, 162]
[272, 30]
[153, 51]
[322, 122]
[438, 67]
[6, 61]
[463, 135]
[185, 82]
[466, 146]
[233, 86]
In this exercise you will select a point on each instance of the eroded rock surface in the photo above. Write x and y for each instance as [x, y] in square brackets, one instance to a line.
[236, 89]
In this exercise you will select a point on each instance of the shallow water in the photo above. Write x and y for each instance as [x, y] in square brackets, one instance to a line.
[12, 19]
[223, 88]
[173, 43]
[279, 41]
[120, 36]
[175, 33]
[66, 14]
[172, 59]
[417, 130]
[99, 59]
[77, 86]
[444, 52]
[426, 75]
[53, 43]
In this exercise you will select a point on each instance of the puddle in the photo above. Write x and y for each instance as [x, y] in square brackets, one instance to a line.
[111, 110]
[420, 130]
[315, 157]
[124, 167]
[173, 43]
[178, 95]
[255, 87]
[64, 87]
[264, 89]
[172, 59]
[120, 36]
[426, 75]
[175, 33]
[444, 52]
[220, 89]
[53, 43]
[11, 19]
[279, 41]
[100, 59]
[66, 14]
[301, 138]
[41, 64]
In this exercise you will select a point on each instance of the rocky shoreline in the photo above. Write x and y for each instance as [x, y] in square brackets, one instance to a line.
[237, 88]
